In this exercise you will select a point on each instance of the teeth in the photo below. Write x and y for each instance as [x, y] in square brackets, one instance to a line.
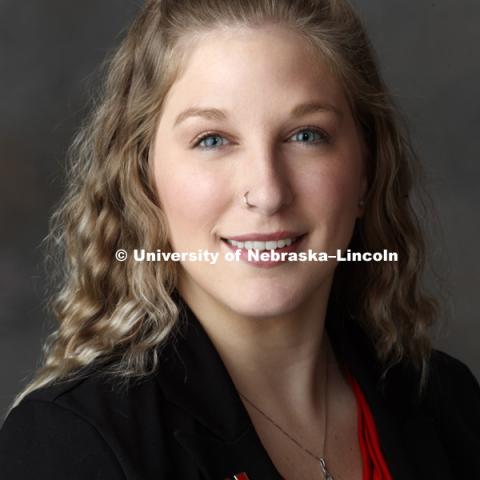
[270, 245]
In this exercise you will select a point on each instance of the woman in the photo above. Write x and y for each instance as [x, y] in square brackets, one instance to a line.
[243, 126]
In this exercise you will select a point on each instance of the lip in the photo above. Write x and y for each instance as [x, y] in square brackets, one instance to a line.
[265, 237]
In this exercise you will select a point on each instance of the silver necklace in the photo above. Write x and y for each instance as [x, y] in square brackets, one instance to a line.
[323, 463]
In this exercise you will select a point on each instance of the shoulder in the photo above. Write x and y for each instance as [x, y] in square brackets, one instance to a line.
[452, 392]
[447, 371]
[53, 441]
[76, 428]
[97, 398]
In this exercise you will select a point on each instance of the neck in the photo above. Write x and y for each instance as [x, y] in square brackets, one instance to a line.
[279, 360]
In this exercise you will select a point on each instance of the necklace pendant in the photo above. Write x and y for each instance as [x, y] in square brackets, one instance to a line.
[326, 473]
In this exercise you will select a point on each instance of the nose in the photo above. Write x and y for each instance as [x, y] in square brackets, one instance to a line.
[267, 183]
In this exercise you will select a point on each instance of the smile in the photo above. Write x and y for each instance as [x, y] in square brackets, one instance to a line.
[259, 245]
[247, 246]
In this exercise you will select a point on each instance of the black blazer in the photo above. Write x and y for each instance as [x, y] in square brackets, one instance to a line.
[187, 422]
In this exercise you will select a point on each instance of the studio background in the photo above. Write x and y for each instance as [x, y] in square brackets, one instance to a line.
[50, 53]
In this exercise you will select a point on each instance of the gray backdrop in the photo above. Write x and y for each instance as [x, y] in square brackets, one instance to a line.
[49, 54]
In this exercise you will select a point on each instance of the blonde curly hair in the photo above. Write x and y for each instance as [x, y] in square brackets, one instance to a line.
[123, 311]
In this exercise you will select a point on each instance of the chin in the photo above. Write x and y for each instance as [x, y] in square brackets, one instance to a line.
[265, 303]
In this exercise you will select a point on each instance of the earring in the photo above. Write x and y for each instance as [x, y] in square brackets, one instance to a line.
[245, 200]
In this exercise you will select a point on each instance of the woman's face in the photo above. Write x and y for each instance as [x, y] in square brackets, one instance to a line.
[279, 127]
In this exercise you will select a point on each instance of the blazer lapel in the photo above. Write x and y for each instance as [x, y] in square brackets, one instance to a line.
[222, 460]
[221, 438]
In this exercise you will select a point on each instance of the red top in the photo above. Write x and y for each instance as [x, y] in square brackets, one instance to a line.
[374, 465]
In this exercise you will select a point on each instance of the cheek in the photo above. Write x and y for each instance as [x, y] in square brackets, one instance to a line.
[331, 189]
[191, 199]
[330, 195]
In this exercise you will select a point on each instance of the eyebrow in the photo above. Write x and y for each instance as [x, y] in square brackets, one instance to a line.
[217, 114]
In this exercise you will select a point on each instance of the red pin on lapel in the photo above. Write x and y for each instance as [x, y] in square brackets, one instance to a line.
[241, 476]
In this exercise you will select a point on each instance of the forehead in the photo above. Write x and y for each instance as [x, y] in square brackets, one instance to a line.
[258, 64]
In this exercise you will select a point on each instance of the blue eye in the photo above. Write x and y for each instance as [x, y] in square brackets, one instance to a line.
[311, 136]
[308, 136]
[208, 144]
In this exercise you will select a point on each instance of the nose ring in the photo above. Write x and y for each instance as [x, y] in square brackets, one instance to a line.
[245, 201]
